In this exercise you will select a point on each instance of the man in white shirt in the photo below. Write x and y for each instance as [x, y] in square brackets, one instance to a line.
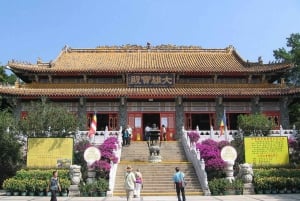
[129, 183]
[129, 130]
[147, 132]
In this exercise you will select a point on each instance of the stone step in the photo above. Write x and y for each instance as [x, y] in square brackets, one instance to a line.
[157, 176]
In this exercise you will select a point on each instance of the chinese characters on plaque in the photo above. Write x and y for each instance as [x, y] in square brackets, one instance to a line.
[151, 80]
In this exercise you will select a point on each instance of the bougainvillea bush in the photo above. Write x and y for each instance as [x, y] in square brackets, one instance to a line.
[194, 136]
[210, 151]
[107, 149]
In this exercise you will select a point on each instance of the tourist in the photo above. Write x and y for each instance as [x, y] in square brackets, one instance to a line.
[164, 132]
[124, 139]
[129, 131]
[147, 132]
[138, 183]
[178, 179]
[129, 183]
[54, 185]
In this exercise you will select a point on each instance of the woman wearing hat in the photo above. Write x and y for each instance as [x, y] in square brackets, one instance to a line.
[138, 183]
[129, 183]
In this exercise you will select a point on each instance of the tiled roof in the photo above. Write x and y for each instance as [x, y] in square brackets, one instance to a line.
[122, 60]
[147, 92]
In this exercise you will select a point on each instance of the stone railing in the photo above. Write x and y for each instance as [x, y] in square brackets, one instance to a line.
[194, 157]
[229, 135]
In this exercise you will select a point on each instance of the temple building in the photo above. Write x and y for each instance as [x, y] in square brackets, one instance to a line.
[167, 85]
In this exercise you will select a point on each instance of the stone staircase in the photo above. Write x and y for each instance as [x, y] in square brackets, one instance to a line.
[157, 176]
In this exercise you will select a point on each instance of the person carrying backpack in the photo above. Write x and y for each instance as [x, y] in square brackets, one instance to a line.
[179, 184]
[54, 185]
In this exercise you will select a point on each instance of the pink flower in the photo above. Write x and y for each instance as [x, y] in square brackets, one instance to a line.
[194, 136]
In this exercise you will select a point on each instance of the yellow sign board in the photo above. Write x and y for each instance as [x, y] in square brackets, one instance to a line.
[266, 150]
[49, 152]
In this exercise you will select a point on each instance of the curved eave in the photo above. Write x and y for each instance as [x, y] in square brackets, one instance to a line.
[20, 69]
[148, 92]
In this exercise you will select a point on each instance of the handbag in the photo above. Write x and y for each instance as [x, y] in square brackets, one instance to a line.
[184, 183]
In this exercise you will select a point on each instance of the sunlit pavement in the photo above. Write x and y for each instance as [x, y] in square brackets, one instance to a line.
[264, 197]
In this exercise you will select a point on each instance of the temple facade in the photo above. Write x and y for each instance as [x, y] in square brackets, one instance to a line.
[167, 85]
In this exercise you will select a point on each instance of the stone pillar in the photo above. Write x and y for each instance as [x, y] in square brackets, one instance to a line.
[82, 113]
[219, 110]
[91, 174]
[123, 112]
[284, 113]
[255, 106]
[179, 116]
[229, 170]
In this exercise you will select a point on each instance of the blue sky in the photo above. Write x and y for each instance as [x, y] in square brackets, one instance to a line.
[40, 28]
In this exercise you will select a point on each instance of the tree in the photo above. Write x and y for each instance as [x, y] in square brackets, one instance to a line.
[292, 55]
[293, 76]
[10, 156]
[255, 124]
[48, 119]
[5, 78]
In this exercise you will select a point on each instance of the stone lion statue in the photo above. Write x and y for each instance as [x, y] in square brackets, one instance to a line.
[75, 174]
[245, 173]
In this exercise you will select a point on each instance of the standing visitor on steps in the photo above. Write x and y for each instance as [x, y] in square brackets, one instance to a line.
[164, 133]
[138, 183]
[54, 185]
[178, 179]
[129, 131]
[129, 183]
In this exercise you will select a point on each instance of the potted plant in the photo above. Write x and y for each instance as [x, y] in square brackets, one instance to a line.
[15, 186]
[88, 189]
[84, 189]
[40, 187]
[8, 186]
[228, 187]
[261, 186]
[102, 186]
[30, 186]
[238, 186]
[214, 187]
[65, 185]
[22, 187]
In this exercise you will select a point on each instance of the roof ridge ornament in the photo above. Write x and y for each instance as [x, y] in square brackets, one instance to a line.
[230, 48]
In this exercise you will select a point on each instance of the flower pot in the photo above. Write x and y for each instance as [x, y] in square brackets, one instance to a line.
[31, 193]
[281, 191]
[102, 194]
[260, 191]
[238, 192]
[23, 193]
[8, 193]
[15, 193]
[41, 193]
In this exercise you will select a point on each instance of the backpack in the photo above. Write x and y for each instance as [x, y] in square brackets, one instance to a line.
[54, 184]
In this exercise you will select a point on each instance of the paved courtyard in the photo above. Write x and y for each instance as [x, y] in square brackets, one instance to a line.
[277, 197]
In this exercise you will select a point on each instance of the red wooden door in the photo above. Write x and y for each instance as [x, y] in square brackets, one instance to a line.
[135, 121]
[168, 119]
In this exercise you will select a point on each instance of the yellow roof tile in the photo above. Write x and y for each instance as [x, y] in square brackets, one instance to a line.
[116, 60]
